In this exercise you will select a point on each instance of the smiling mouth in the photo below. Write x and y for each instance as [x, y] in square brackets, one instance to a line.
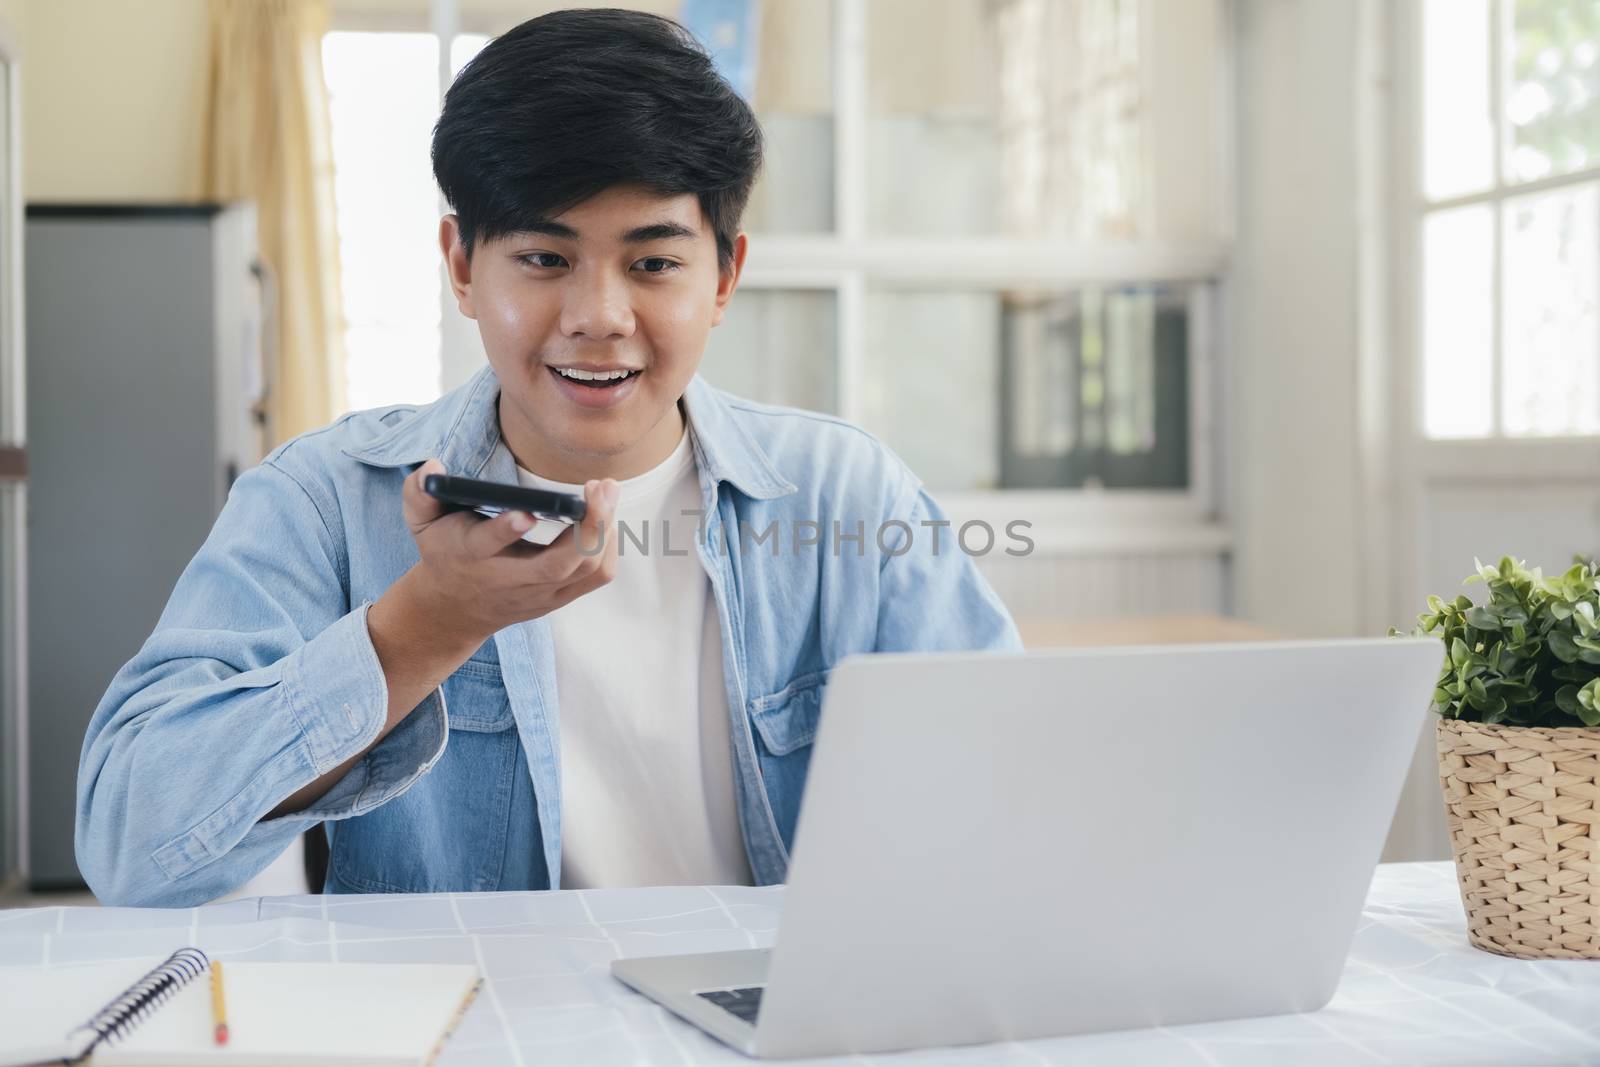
[595, 379]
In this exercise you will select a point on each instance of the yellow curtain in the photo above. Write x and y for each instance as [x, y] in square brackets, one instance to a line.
[268, 141]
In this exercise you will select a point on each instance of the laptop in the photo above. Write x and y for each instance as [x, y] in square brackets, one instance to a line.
[1001, 846]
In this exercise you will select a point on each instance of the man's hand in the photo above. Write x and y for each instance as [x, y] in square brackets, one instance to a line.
[477, 576]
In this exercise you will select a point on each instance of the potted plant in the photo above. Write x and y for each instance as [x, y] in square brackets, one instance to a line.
[1518, 701]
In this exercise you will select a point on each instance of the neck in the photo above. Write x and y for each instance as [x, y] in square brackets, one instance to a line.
[575, 468]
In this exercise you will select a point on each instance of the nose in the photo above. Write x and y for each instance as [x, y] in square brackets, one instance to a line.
[595, 305]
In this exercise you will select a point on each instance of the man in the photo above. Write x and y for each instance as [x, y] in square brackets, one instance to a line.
[468, 703]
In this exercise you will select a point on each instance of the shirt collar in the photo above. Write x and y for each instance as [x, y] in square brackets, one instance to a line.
[462, 428]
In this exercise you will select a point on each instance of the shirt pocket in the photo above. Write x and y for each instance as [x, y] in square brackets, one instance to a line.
[787, 720]
[448, 832]
[475, 697]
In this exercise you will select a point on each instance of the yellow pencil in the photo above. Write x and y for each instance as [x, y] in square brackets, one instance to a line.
[219, 1009]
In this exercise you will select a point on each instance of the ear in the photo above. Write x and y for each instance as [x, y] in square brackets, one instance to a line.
[457, 265]
[728, 280]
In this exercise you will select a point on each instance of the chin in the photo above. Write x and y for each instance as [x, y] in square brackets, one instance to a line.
[599, 438]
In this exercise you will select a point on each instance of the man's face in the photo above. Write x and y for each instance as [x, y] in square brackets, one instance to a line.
[627, 281]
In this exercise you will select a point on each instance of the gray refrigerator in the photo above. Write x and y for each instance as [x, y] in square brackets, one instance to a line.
[146, 375]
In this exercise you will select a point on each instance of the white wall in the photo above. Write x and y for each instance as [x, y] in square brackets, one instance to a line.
[1310, 371]
[113, 98]
[1294, 318]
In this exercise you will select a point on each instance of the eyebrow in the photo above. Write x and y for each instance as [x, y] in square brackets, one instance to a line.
[655, 231]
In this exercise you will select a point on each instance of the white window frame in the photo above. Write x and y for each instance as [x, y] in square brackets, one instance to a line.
[1495, 457]
[14, 813]
[849, 261]
[1415, 464]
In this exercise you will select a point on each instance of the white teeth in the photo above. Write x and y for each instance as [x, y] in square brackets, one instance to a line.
[591, 376]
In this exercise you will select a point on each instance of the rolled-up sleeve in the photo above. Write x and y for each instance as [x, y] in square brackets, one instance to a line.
[259, 679]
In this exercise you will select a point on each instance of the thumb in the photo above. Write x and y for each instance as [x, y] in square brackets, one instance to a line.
[419, 507]
[600, 507]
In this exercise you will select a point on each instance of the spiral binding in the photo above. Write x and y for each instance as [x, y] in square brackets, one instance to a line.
[113, 1021]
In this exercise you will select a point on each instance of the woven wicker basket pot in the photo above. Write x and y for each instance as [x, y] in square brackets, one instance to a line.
[1523, 807]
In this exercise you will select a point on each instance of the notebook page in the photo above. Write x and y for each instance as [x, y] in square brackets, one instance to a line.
[40, 1006]
[315, 1014]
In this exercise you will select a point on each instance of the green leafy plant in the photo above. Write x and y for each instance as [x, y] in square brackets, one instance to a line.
[1528, 657]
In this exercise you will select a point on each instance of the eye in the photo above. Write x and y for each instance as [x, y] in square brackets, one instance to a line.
[544, 260]
[656, 265]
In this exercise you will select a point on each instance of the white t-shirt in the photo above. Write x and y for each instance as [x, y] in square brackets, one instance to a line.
[647, 795]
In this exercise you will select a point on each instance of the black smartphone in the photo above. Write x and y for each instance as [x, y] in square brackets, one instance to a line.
[491, 498]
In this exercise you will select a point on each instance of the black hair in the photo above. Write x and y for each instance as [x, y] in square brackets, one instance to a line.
[574, 102]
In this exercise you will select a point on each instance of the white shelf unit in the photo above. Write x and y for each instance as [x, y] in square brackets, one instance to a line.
[851, 262]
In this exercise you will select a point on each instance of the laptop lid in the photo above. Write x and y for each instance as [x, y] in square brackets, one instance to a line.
[1003, 846]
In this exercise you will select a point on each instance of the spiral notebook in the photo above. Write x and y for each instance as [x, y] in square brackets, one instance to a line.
[312, 1014]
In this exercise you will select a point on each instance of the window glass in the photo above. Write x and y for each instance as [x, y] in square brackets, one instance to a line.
[383, 99]
[777, 346]
[1458, 321]
[1006, 390]
[1551, 333]
[1458, 120]
[1018, 118]
[1552, 100]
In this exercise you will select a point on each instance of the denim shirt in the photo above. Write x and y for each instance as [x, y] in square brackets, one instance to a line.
[261, 676]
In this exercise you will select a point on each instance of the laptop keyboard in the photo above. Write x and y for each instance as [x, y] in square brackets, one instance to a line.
[745, 1003]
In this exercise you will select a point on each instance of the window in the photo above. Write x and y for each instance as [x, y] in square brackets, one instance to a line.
[1510, 218]
[987, 232]
[383, 97]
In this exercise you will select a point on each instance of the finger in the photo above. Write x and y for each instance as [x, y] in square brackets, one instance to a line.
[600, 499]
[588, 583]
[419, 508]
[489, 537]
[519, 552]
[580, 548]
[604, 569]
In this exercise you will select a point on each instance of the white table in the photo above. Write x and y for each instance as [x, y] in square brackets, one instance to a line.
[1413, 991]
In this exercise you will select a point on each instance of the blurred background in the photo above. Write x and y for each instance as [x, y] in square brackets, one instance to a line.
[1268, 315]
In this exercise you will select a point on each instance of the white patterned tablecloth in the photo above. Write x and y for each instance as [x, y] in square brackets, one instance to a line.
[1413, 991]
